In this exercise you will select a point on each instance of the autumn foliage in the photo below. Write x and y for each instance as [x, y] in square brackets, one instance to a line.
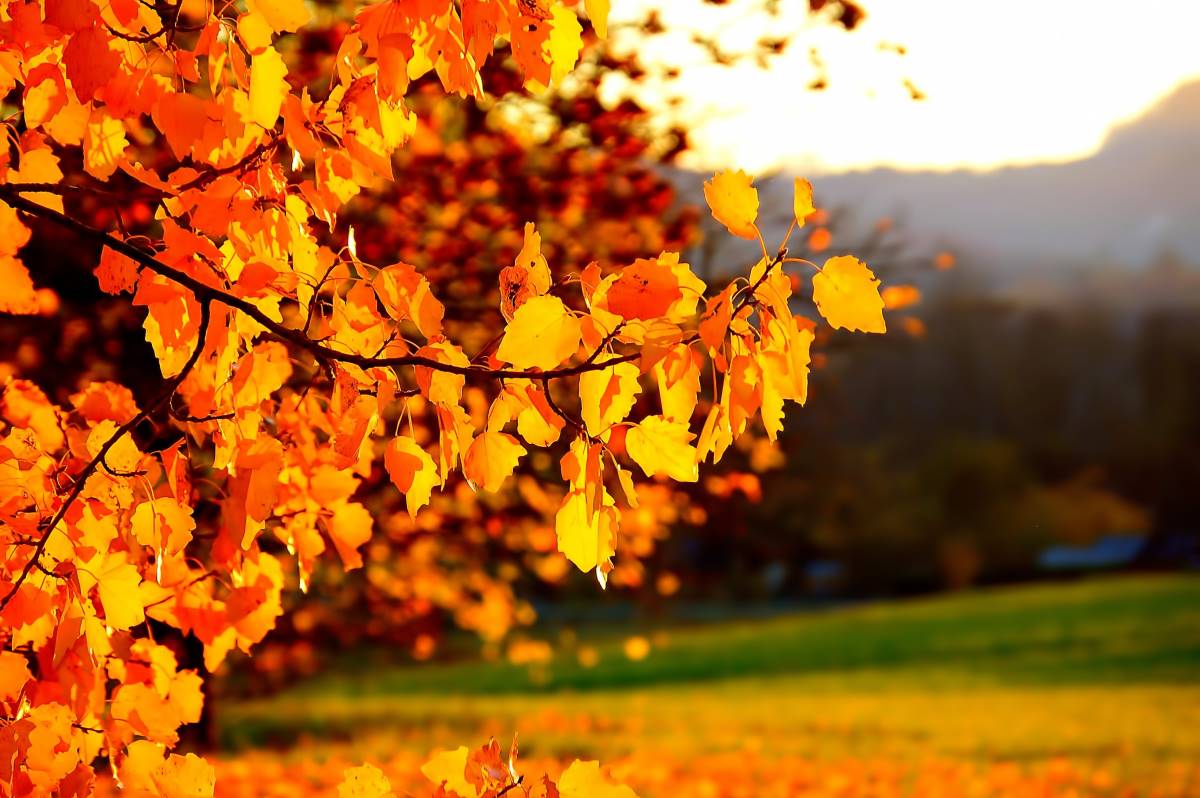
[219, 177]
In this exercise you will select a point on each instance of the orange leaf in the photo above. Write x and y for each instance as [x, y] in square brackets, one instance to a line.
[104, 145]
[116, 272]
[491, 459]
[18, 296]
[644, 290]
[412, 471]
[350, 528]
[14, 673]
[529, 276]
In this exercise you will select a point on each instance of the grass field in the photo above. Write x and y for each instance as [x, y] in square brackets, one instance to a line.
[1100, 678]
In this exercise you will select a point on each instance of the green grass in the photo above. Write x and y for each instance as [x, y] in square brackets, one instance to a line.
[1084, 632]
[1087, 668]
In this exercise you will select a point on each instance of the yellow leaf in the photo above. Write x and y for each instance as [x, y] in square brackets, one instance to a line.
[564, 42]
[788, 357]
[366, 781]
[734, 202]
[847, 294]
[455, 433]
[606, 396]
[678, 383]
[537, 422]
[597, 11]
[585, 780]
[268, 87]
[542, 334]
[254, 31]
[663, 447]
[39, 165]
[137, 766]
[260, 372]
[625, 478]
[586, 536]
[449, 768]
[104, 145]
[163, 524]
[491, 459]
[282, 15]
[716, 435]
[412, 470]
[119, 592]
[442, 387]
[802, 202]
[774, 290]
[122, 457]
[187, 776]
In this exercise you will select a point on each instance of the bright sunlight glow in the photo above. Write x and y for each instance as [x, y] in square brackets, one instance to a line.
[1013, 82]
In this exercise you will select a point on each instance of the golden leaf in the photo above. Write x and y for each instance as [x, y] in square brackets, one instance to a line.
[734, 202]
[412, 471]
[663, 447]
[542, 334]
[847, 294]
[491, 459]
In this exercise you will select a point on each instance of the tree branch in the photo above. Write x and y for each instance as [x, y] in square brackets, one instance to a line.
[98, 460]
[204, 292]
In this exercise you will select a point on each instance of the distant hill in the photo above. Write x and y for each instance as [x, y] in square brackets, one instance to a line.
[1133, 204]
[1136, 198]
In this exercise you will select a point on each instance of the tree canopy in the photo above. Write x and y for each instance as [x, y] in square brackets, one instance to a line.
[240, 178]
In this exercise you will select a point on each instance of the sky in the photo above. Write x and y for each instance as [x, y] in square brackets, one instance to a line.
[1005, 81]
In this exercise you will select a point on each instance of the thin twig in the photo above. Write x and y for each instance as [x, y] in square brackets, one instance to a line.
[88, 470]
[12, 195]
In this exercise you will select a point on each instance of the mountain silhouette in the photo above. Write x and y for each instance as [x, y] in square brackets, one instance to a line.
[1135, 198]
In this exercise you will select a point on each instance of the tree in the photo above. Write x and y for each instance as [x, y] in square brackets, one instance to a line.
[216, 172]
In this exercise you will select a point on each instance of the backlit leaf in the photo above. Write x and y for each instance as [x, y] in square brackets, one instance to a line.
[585, 780]
[733, 200]
[847, 294]
[448, 769]
[366, 781]
[412, 471]
[802, 203]
[491, 459]
[663, 447]
[542, 334]
[268, 87]
[607, 395]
